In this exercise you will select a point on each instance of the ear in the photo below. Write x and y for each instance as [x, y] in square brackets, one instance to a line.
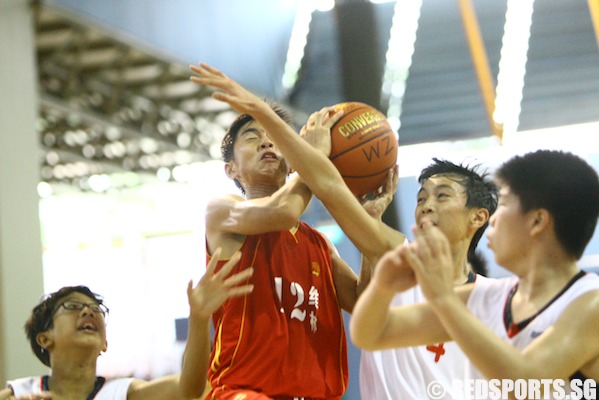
[231, 170]
[479, 217]
[105, 347]
[541, 219]
[44, 340]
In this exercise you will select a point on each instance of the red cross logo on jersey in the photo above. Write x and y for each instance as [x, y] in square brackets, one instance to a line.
[438, 349]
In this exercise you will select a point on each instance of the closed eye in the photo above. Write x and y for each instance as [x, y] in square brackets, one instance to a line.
[250, 138]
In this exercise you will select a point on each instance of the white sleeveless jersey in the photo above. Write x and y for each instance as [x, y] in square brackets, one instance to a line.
[489, 303]
[418, 373]
[114, 389]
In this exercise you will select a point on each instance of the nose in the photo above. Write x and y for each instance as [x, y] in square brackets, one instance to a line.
[426, 206]
[266, 143]
[87, 309]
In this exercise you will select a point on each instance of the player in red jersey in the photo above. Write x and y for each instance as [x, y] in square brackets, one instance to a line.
[286, 339]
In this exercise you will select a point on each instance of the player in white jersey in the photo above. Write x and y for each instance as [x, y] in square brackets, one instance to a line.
[547, 213]
[449, 196]
[67, 332]
[483, 303]
[115, 389]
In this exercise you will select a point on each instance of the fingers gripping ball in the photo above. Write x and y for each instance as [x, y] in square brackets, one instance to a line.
[363, 147]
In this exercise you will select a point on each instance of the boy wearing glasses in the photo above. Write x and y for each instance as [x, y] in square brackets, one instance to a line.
[67, 332]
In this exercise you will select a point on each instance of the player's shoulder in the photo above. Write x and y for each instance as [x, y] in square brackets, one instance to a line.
[227, 198]
[219, 208]
[486, 281]
[24, 386]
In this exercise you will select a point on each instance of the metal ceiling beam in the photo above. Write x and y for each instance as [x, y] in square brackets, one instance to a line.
[102, 90]
[594, 10]
[480, 61]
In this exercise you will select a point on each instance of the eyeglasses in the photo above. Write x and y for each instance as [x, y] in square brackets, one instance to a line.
[74, 305]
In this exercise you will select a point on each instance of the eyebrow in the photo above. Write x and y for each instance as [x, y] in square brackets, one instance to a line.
[249, 130]
[79, 300]
[438, 187]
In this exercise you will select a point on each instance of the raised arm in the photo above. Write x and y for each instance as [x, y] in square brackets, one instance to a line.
[375, 205]
[166, 387]
[213, 289]
[372, 237]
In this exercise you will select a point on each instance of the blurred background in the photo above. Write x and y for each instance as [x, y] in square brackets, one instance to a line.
[108, 153]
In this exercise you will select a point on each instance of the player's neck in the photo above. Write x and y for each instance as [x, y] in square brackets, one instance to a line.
[461, 266]
[72, 381]
[547, 279]
[259, 191]
[461, 275]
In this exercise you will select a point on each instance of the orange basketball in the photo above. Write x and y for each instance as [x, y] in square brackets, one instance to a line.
[363, 147]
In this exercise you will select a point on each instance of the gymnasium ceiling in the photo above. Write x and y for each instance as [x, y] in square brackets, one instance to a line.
[115, 94]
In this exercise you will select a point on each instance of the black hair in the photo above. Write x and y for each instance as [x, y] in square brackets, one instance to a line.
[563, 184]
[481, 192]
[41, 318]
[226, 147]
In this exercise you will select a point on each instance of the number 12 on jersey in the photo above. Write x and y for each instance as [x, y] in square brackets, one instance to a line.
[301, 305]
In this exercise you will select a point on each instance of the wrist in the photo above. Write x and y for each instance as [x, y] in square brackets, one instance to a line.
[445, 302]
[199, 318]
[381, 291]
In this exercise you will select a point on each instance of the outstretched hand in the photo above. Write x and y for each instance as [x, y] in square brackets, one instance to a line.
[229, 91]
[377, 202]
[317, 130]
[214, 288]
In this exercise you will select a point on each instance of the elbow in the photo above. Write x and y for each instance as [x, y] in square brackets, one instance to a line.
[358, 337]
[287, 218]
[190, 389]
[363, 344]
[188, 394]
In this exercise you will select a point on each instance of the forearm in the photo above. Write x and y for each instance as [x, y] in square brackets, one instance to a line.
[314, 166]
[292, 199]
[366, 271]
[491, 355]
[196, 358]
[370, 318]
[166, 387]
[277, 212]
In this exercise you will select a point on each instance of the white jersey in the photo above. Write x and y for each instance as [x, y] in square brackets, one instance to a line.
[114, 389]
[419, 373]
[491, 304]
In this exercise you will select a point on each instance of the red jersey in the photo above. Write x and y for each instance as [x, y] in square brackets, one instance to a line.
[286, 338]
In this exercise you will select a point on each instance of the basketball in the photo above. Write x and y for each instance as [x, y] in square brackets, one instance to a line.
[363, 147]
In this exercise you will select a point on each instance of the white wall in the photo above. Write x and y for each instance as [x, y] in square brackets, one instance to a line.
[20, 245]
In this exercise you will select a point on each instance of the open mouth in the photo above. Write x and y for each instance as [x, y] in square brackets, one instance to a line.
[88, 327]
[269, 155]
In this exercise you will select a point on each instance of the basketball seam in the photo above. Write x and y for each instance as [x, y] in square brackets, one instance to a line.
[361, 144]
[371, 175]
